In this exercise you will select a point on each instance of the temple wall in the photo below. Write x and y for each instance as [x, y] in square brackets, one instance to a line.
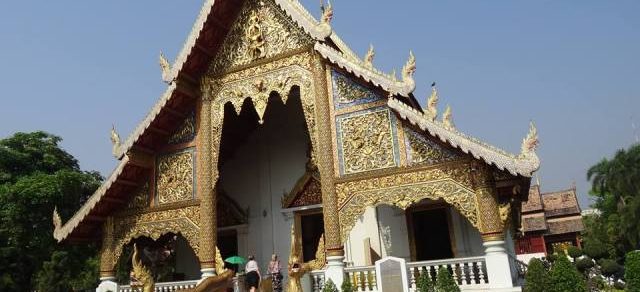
[468, 241]
[256, 177]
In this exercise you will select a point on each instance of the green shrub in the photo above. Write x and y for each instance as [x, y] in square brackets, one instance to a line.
[346, 285]
[632, 271]
[564, 277]
[537, 276]
[424, 283]
[610, 268]
[329, 286]
[574, 252]
[445, 282]
[584, 264]
[595, 249]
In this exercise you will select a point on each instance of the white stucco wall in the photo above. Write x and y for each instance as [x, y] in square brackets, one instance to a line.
[260, 172]
[468, 241]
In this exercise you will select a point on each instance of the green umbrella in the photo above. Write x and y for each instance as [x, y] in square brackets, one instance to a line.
[235, 260]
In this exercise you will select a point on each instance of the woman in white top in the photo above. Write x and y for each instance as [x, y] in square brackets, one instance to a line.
[253, 274]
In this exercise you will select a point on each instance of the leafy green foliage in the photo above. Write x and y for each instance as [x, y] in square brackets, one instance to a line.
[584, 264]
[537, 277]
[610, 268]
[424, 282]
[574, 252]
[444, 281]
[346, 285]
[36, 175]
[616, 188]
[329, 286]
[632, 271]
[564, 277]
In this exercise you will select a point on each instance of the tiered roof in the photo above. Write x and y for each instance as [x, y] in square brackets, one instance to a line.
[553, 212]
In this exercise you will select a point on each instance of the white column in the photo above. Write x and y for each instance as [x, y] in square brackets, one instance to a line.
[206, 273]
[335, 270]
[497, 263]
[107, 284]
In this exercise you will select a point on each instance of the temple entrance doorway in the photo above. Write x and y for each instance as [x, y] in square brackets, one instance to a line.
[228, 245]
[430, 233]
[259, 162]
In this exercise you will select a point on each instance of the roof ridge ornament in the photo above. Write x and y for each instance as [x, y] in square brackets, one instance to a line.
[324, 27]
[530, 142]
[409, 68]
[165, 67]
[115, 141]
[368, 58]
[447, 119]
[432, 103]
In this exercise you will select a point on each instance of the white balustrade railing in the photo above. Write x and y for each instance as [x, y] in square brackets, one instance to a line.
[317, 280]
[163, 286]
[362, 278]
[467, 272]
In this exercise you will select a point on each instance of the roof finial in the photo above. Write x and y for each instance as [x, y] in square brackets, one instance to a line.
[327, 12]
[432, 103]
[447, 119]
[530, 142]
[409, 68]
[115, 140]
[57, 222]
[394, 76]
[165, 67]
[368, 58]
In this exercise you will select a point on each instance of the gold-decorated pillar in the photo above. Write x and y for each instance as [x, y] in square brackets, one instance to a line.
[207, 156]
[324, 155]
[107, 260]
[492, 230]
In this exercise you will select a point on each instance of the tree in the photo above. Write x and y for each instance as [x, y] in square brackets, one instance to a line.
[616, 187]
[424, 283]
[584, 264]
[564, 277]
[610, 268]
[632, 271]
[445, 282]
[574, 252]
[35, 176]
[537, 277]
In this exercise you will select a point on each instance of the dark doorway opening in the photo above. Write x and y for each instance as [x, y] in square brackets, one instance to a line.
[228, 245]
[312, 227]
[431, 234]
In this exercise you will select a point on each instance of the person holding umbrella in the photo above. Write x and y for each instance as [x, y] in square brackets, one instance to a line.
[253, 274]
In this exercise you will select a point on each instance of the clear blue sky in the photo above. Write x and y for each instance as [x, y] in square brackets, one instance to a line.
[73, 68]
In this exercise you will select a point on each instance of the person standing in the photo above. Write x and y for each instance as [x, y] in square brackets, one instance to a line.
[253, 274]
[276, 275]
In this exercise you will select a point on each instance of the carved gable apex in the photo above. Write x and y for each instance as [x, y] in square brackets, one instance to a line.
[422, 150]
[261, 30]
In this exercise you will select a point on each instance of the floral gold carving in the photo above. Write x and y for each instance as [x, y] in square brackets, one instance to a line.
[262, 30]
[367, 142]
[423, 150]
[155, 224]
[450, 183]
[140, 198]
[185, 132]
[175, 177]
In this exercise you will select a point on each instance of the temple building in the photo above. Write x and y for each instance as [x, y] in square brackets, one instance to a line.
[274, 137]
[550, 223]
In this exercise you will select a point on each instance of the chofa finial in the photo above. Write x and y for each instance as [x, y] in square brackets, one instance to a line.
[57, 222]
[327, 12]
[530, 142]
[409, 68]
[447, 119]
[115, 140]
[164, 66]
[368, 58]
[432, 103]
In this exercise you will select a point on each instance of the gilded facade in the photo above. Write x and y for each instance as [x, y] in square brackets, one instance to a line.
[175, 177]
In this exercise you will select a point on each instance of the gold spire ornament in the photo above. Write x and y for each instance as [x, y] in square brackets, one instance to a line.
[164, 66]
[368, 58]
[447, 119]
[115, 141]
[530, 142]
[432, 103]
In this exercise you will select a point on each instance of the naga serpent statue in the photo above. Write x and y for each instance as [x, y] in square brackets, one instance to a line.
[141, 274]
[297, 268]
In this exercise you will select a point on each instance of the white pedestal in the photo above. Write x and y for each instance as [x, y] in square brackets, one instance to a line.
[335, 270]
[206, 273]
[107, 284]
[497, 263]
